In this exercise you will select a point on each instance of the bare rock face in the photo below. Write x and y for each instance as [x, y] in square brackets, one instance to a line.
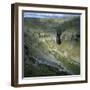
[70, 35]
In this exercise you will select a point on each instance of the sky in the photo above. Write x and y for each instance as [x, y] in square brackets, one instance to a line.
[47, 15]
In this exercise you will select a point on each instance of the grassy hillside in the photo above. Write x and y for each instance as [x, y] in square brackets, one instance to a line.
[43, 56]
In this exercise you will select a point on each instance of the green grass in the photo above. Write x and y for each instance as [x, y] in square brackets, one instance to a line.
[75, 69]
[41, 70]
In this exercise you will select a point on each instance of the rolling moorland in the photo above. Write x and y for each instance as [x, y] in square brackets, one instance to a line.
[51, 46]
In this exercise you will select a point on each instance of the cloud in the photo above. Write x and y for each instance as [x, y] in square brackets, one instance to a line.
[46, 15]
